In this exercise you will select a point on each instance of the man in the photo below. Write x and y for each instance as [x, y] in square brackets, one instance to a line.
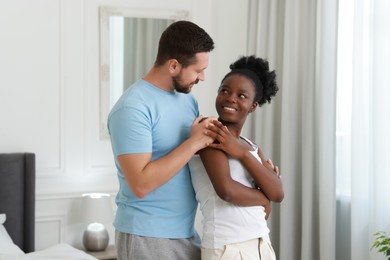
[155, 129]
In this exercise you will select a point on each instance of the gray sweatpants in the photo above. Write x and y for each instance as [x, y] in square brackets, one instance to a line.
[133, 247]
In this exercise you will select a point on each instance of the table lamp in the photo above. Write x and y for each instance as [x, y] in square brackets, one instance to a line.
[96, 210]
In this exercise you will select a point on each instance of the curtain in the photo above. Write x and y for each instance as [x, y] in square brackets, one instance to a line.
[297, 130]
[369, 140]
[328, 127]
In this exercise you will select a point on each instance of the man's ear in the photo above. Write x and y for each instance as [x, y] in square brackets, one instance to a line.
[174, 66]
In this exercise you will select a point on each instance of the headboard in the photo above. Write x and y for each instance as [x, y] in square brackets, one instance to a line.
[17, 197]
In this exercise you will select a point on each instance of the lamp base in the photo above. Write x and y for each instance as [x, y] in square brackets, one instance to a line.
[95, 237]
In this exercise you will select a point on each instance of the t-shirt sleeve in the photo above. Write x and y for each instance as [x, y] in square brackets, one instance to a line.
[130, 131]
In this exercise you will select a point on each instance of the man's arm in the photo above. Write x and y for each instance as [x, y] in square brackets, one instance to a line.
[143, 174]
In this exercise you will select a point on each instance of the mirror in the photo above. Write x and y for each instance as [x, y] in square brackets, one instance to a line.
[128, 47]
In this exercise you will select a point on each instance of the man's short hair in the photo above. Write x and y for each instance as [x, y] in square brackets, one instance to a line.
[182, 40]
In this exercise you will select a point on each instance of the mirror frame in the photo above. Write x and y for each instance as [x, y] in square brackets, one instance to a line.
[105, 12]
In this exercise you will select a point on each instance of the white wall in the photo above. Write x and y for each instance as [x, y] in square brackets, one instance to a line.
[49, 95]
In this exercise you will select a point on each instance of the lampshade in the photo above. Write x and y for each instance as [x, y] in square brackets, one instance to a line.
[96, 207]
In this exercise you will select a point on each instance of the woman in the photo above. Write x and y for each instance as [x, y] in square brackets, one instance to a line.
[234, 183]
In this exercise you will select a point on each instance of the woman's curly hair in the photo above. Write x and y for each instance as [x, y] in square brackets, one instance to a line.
[268, 87]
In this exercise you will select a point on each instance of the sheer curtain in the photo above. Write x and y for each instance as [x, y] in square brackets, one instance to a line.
[297, 130]
[364, 124]
[332, 148]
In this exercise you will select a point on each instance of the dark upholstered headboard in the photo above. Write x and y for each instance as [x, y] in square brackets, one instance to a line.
[17, 197]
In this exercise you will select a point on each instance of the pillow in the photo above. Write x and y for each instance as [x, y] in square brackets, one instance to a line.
[2, 218]
[7, 246]
[3, 231]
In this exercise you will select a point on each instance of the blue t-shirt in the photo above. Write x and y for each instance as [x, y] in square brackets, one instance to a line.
[147, 119]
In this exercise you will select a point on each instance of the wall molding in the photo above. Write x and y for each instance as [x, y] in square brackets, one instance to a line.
[56, 218]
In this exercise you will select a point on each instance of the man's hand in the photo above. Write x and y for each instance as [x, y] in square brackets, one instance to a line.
[267, 210]
[200, 134]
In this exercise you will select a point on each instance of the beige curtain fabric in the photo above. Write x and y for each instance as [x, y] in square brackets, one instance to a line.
[297, 130]
[324, 217]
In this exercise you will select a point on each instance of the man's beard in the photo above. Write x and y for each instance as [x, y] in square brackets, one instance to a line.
[182, 88]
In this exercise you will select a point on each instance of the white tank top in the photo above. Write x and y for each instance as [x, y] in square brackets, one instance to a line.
[225, 223]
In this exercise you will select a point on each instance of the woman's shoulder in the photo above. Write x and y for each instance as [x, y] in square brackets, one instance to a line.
[249, 142]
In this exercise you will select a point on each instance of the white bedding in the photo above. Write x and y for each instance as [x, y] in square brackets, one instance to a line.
[60, 251]
[10, 251]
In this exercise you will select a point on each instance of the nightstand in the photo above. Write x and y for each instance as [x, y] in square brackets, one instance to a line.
[108, 254]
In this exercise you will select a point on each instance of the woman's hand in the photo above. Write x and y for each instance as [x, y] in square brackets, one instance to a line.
[275, 169]
[225, 141]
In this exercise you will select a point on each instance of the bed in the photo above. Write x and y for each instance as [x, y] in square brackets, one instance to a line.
[17, 213]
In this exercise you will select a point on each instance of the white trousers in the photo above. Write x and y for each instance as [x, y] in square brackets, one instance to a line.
[255, 249]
